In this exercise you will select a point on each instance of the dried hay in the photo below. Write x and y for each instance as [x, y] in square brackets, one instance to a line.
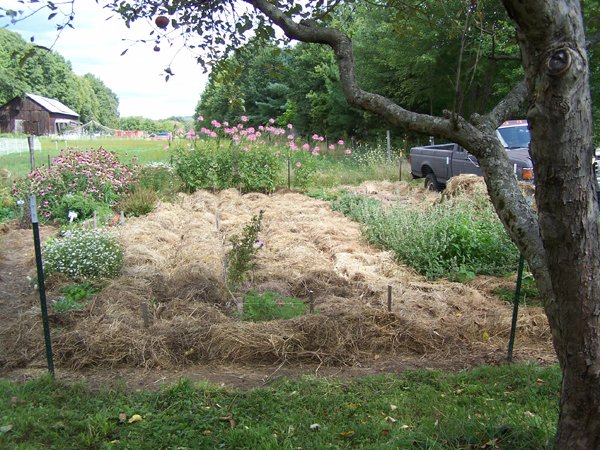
[470, 185]
[393, 193]
[174, 270]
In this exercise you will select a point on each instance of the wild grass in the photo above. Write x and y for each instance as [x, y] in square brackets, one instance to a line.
[508, 407]
[458, 238]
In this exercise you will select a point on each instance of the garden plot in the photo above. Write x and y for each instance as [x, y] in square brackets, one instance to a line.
[171, 307]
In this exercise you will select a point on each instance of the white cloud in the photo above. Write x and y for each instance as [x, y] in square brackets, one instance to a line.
[138, 77]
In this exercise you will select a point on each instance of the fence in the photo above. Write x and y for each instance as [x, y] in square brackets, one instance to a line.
[17, 145]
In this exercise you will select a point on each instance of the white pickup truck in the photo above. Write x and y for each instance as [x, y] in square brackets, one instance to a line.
[438, 163]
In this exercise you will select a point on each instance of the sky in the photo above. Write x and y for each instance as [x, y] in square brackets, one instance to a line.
[137, 78]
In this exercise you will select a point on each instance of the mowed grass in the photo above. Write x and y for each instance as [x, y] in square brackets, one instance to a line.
[506, 407]
[144, 150]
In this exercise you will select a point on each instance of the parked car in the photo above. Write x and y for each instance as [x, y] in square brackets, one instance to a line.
[438, 163]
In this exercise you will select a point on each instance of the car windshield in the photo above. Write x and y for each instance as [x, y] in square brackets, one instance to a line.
[515, 137]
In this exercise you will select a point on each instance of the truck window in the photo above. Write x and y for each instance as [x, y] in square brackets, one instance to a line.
[515, 137]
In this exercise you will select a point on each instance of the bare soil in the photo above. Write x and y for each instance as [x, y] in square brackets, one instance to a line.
[174, 260]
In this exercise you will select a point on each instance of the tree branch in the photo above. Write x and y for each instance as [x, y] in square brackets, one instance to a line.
[508, 106]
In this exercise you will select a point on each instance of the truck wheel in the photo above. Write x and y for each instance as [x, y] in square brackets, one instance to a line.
[431, 183]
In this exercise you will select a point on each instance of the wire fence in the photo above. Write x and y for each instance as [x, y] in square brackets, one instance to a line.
[17, 145]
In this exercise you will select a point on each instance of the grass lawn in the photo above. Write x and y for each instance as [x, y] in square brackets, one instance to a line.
[506, 407]
[144, 150]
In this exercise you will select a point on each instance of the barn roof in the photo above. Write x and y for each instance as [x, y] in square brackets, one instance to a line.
[52, 105]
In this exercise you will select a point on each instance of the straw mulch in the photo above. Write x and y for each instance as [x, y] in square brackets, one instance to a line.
[173, 283]
[472, 185]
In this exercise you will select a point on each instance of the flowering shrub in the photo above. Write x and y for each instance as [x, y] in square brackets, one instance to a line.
[253, 158]
[95, 175]
[82, 254]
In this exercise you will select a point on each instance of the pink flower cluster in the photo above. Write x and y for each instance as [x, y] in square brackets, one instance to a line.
[238, 133]
[96, 174]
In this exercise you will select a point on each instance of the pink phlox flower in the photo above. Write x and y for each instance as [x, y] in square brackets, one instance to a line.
[306, 146]
[348, 151]
[298, 164]
[201, 118]
[331, 147]
[215, 123]
[261, 128]
[341, 142]
[271, 120]
[293, 146]
[213, 134]
[290, 126]
[225, 124]
[244, 118]
[290, 136]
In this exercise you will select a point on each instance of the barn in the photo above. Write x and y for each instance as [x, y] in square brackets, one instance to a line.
[36, 115]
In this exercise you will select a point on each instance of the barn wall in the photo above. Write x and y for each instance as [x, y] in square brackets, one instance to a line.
[36, 120]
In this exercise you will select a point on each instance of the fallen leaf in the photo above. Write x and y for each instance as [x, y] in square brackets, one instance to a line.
[135, 418]
[485, 336]
[347, 434]
[539, 381]
[6, 428]
[393, 407]
[315, 427]
[207, 432]
[229, 419]
[122, 417]
[385, 432]
[390, 419]
[529, 414]
[405, 427]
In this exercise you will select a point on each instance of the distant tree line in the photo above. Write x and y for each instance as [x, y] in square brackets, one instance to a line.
[27, 68]
[427, 59]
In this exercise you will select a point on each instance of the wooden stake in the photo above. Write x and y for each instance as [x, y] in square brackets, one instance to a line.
[145, 315]
[311, 302]
[389, 298]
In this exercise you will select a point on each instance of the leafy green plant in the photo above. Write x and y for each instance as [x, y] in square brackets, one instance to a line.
[241, 257]
[304, 166]
[271, 306]
[259, 169]
[82, 254]
[74, 296]
[82, 204]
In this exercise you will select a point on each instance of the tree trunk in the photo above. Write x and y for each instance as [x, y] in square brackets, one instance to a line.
[552, 41]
